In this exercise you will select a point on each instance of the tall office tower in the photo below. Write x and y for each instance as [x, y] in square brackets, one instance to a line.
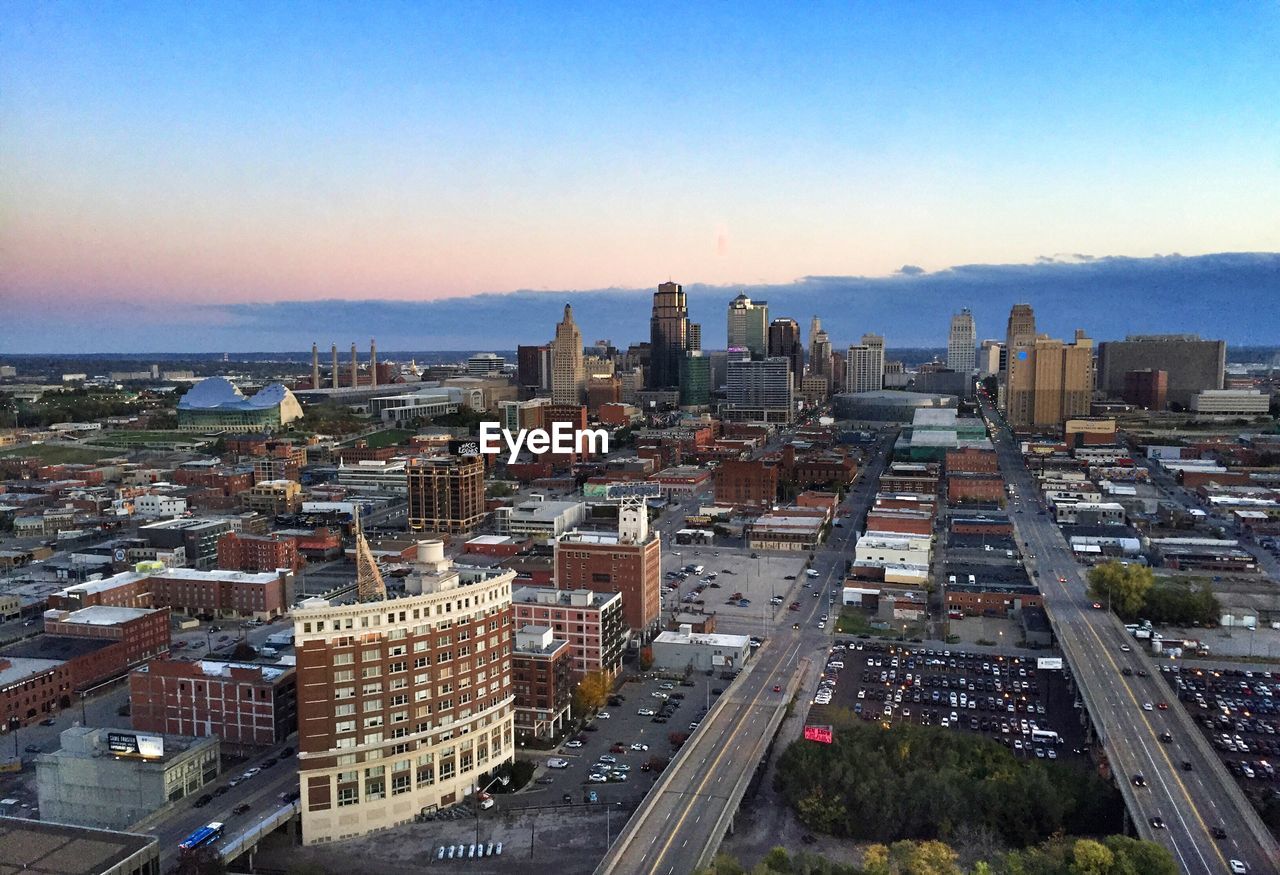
[962, 351]
[864, 365]
[446, 493]
[1018, 380]
[695, 336]
[819, 350]
[533, 367]
[748, 325]
[568, 378]
[668, 336]
[695, 379]
[759, 391]
[404, 704]
[784, 342]
[1192, 365]
[989, 358]
[1048, 381]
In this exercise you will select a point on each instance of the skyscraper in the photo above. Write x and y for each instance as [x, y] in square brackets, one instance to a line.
[668, 335]
[445, 493]
[748, 325]
[568, 377]
[864, 365]
[759, 391]
[695, 336]
[1019, 379]
[819, 350]
[695, 379]
[534, 367]
[784, 342]
[961, 343]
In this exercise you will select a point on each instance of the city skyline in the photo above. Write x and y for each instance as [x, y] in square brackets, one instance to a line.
[194, 155]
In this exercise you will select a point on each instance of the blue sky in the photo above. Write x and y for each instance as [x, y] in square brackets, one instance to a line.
[249, 153]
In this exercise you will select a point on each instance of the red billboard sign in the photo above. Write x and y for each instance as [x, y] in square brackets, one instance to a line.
[821, 734]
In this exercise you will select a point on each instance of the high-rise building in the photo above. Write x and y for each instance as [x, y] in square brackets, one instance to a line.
[759, 391]
[446, 493]
[784, 342]
[748, 325]
[1193, 365]
[1147, 388]
[404, 704]
[695, 379]
[864, 365]
[533, 367]
[695, 336]
[668, 335]
[989, 358]
[1047, 381]
[819, 350]
[483, 364]
[962, 343]
[1017, 382]
[568, 377]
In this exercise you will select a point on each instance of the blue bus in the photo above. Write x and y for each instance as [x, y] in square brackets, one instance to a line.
[203, 836]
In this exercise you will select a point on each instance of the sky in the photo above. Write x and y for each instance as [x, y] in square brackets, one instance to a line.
[216, 156]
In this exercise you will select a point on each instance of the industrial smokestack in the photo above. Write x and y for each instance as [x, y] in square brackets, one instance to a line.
[373, 363]
[335, 366]
[355, 368]
[315, 366]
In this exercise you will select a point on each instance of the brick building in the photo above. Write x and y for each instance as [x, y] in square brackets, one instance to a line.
[971, 460]
[746, 484]
[239, 703]
[542, 682]
[257, 553]
[31, 690]
[984, 488]
[902, 521]
[185, 591]
[446, 493]
[590, 621]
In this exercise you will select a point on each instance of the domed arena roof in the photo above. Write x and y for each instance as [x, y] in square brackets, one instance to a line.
[219, 393]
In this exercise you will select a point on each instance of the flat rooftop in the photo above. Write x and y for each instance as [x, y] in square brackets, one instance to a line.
[40, 848]
[705, 639]
[21, 668]
[103, 615]
[57, 648]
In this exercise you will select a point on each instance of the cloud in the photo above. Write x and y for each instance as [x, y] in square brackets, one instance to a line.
[1227, 295]
[910, 270]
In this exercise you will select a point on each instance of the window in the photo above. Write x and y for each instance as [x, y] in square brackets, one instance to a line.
[371, 671]
[370, 655]
[344, 692]
[343, 676]
[343, 658]
[401, 784]
[344, 711]
[348, 796]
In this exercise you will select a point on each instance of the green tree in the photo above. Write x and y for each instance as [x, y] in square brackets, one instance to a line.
[1089, 857]
[1125, 587]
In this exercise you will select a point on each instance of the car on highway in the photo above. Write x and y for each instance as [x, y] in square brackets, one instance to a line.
[1162, 706]
[1125, 648]
[1238, 867]
[1166, 737]
[204, 800]
[1146, 706]
[777, 688]
[1097, 606]
[241, 808]
[1157, 822]
[1218, 832]
[1139, 780]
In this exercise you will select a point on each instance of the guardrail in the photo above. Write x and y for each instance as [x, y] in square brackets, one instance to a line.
[231, 847]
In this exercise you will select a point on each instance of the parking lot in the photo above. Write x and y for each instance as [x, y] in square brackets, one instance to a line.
[730, 571]
[552, 820]
[1239, 712]
[1004, 697]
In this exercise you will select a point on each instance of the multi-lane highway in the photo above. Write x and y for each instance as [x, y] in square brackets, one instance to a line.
[1185, 786]
[687, 813]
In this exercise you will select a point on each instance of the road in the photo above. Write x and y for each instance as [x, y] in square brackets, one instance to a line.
[685, 817]
[1190, 800]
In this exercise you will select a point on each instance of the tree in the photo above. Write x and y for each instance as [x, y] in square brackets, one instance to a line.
[592, 692]
[1091, 858]
[1124, 586]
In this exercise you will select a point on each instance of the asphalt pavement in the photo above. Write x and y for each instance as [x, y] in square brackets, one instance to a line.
[1187, 791]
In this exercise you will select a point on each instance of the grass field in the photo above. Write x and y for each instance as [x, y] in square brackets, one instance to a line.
[56, 454]
[380, 439]
[853, 621]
